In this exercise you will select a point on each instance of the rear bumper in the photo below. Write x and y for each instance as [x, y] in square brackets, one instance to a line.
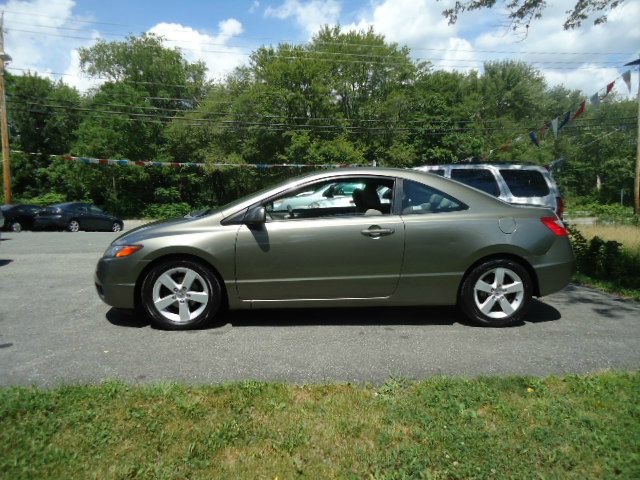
[553, 278]
[555, 269]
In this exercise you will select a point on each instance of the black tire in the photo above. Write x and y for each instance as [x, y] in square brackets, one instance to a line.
[467, 297]
[206, 317]
[71, 226]
[16, 226]
[118, 225]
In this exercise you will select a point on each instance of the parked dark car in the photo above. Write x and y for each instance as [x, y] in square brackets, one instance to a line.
[75, 216]
[19, 217]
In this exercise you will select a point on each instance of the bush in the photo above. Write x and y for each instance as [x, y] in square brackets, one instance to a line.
[163, 211]
[611, 212]
[605, 260]
[46, 199]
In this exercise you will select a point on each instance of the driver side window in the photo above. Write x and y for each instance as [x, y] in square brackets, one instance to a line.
[351, 196]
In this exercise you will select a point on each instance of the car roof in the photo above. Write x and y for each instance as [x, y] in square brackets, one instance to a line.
[500, 166]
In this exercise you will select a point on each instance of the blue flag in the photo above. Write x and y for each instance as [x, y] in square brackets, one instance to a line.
[534, 138]
[565, 120]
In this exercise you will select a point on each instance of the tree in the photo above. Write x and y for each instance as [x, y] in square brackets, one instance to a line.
[149, 67]
[522, 13]
[42, 114]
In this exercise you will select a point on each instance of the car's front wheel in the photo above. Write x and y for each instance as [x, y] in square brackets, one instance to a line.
[496, 293]
[181, 295]
[16, 226]
[116, 227]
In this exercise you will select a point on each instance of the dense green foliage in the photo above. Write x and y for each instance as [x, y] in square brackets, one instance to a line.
[343, 98]
[518, 427]
[606, 260]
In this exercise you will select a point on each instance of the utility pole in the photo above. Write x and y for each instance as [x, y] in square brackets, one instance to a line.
[636, 186]
[6, 161]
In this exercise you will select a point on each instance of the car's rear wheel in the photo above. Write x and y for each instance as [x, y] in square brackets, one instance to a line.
[16, 226]
[73, 226]
[496, 293]
[116, 227]
[181, 295]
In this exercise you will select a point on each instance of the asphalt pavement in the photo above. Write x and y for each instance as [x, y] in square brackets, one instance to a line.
[54, 329]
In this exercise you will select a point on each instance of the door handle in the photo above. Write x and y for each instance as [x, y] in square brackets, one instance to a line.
[376, 232]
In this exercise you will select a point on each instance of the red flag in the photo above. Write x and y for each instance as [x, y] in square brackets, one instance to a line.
[610, 87]
[543, 130]
[504, 147]
[580, 110]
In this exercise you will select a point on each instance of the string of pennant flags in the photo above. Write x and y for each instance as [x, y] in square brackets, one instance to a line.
[125, 163]
[561, 121]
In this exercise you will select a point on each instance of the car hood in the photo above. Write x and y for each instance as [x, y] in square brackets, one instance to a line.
[161, 228]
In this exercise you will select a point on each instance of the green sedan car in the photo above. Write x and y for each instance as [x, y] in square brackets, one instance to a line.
[429, 241]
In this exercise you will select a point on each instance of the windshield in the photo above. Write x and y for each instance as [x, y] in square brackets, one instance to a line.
[244, 198]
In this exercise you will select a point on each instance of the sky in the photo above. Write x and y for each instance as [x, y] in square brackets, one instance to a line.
[44, 35]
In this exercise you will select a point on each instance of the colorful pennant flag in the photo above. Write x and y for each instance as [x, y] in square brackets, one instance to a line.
[565, 120]
[543, 130]
[626, 76]
[581, 109]
[505, 146]
[610, 87]
[532, 135]
[554, 126]
[595, 100]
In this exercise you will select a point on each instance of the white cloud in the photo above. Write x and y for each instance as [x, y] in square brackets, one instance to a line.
[212, 49]
[586, 58]
[309, 15]
[35, 38]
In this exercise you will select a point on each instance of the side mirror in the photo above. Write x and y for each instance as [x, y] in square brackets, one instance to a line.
[255, 216]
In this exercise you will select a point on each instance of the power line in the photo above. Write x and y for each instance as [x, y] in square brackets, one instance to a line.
[382, 59]
[155, 118]
[317, 42]
[478, 121]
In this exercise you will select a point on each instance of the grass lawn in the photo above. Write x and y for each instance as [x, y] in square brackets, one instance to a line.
[627, 235]
[516, 427]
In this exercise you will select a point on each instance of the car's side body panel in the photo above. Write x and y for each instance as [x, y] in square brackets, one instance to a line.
[319, 259]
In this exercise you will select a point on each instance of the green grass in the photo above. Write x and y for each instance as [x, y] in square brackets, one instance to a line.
[606, 286]
[517, 427]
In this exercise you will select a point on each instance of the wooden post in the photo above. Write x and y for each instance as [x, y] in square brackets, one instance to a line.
[6, 161]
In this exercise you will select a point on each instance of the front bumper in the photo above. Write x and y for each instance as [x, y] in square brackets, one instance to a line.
[115, 281]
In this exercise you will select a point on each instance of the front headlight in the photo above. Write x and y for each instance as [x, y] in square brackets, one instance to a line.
[117, 251]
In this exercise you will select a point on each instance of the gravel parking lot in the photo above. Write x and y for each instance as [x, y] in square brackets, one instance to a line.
[54, 329]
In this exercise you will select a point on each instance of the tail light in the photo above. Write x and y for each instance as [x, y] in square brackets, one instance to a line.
[559, 206]
[555, 225]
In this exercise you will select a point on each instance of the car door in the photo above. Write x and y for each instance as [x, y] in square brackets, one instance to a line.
[438, 234]
[332, 253]
[100, 220]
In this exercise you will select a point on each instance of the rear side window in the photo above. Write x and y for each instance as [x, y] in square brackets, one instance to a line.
[419, 198]
[525, 183]
[478, 178]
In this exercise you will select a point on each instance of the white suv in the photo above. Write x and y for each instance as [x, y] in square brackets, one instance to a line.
[513, 183]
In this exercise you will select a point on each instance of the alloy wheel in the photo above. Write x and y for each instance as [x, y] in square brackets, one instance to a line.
[74, 226]
[498, 293]
[16, 227]
[180, 294]
[116, 227]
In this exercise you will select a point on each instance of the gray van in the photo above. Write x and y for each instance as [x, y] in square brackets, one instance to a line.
[513, 183]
